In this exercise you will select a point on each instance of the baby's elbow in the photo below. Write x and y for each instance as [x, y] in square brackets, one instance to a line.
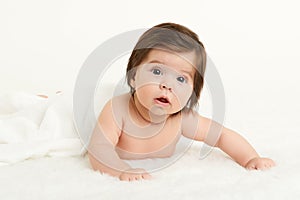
[93, 162]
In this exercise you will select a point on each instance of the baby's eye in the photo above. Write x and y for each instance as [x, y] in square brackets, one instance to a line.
[181, 79]
[156, 71]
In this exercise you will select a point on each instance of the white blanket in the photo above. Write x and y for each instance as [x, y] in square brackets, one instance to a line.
[33, 126]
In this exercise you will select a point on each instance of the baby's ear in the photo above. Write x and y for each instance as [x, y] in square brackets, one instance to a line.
[132, 82]
[131, 75]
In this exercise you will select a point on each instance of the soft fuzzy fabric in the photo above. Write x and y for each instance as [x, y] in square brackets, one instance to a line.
[47, 175]
[216, 177]
[33, 126]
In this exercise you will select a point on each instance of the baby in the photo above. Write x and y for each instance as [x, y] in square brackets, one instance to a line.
[165, 73]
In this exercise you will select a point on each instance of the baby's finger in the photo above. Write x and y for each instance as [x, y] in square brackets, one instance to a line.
[146, 176]
[124, 178]
[138, 177]
[272, 163]
[250, 167]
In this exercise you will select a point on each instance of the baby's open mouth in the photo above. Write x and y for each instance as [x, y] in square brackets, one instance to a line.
[162, 100]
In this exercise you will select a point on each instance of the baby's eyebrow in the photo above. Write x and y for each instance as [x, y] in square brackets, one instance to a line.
[156, 61]
[188, 73]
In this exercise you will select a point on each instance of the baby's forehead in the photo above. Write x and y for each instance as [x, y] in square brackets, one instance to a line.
[185, 61]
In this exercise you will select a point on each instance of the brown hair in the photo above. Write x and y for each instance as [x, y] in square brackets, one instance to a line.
[172, 37]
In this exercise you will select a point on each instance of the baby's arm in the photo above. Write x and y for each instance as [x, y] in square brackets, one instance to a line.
[101, 150]
[241, 151]
[227, 140]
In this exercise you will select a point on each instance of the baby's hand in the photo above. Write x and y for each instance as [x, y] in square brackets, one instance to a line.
[260, 163]
[134, 174]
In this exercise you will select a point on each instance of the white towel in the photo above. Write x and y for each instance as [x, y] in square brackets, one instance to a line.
[33, 126]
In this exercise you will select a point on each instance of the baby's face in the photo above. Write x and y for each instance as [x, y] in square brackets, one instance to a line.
[164, 81]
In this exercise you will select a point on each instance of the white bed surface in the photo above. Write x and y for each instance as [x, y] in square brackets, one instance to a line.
[216, 177]
[55, 174]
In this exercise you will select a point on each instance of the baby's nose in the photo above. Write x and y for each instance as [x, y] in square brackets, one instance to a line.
[164, 86]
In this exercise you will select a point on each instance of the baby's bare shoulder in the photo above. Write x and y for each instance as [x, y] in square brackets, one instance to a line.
[115, 110]
[118, 105]
[121, 100]
[189, 120]
[116, 102]
[188, 114]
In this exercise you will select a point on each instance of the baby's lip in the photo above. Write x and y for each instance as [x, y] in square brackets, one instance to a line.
[164, 100]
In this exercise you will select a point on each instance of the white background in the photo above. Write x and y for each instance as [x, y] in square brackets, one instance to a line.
[254, 45]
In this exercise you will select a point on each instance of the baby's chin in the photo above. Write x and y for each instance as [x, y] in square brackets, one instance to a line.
[157, 111]
[160, 111]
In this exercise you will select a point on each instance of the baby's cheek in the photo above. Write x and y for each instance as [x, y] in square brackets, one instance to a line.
[144, 94]
[182, 96]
